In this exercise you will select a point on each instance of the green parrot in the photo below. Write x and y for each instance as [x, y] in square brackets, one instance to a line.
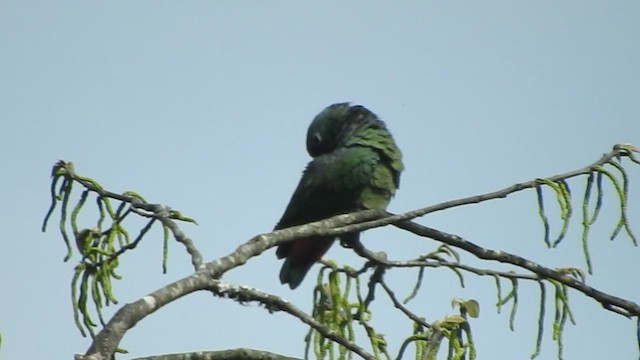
[356, 166]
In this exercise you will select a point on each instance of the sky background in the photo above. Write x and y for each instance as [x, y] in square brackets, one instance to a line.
[204, 106]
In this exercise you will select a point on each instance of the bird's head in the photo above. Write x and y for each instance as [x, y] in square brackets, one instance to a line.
[332, 128]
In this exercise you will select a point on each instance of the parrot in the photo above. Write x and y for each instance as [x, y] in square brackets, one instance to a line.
[355, 165]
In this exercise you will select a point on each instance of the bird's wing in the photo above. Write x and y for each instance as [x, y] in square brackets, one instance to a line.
[384, 143]
[331, 185]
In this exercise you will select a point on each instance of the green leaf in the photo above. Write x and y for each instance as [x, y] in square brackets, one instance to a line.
[454, 319]
[473, 308]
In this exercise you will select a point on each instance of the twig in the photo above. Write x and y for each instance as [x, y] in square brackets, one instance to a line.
[276, 303]
[379, 259]
[158, 211]
[609, 302]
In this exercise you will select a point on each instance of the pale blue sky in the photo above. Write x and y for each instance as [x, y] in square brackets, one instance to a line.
[204, 106]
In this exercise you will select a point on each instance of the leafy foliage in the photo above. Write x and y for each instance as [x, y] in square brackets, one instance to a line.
[101, 246]
[562, 193]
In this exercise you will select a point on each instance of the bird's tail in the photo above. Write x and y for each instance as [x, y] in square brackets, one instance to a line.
[301, 256]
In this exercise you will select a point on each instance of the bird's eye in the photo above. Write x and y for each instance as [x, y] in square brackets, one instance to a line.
[315, 146]
[317, 139]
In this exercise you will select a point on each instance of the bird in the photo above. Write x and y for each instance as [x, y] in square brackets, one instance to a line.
[356, 165]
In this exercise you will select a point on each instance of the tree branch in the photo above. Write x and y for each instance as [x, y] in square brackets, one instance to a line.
[276, 303]
[162, 213]
[609, 302]
[380, 258]
[231, 354]
[106, 341]
[618, 151]
[204, 278]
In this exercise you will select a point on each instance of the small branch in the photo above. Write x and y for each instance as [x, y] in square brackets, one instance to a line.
[609, 302]
[276, 303]
[403, 308]
[196, 257]
[381, 259]
[123, 249]
[617, 152]
[158, 211]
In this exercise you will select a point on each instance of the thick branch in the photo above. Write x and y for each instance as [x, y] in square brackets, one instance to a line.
[231, 354]
[617, 152]
[107, 340]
